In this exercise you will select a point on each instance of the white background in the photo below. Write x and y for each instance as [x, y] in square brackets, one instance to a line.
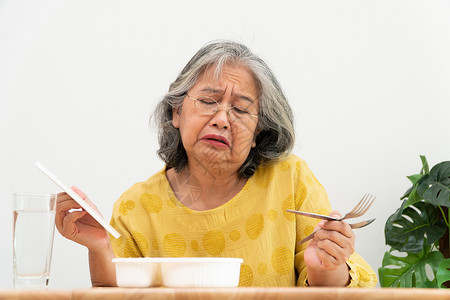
[369, 82]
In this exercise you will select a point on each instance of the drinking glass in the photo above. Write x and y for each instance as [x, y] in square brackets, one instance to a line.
[33, 229]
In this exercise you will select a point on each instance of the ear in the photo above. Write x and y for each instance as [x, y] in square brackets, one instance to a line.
[176, 117]
[257, 131]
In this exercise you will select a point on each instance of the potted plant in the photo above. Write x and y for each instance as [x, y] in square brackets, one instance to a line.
[418, 233]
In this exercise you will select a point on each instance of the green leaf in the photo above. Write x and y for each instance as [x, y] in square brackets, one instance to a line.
[413, 197]
[425, 168]
[398, 213]
[415, 178]
[443, 272]
[435, 186]
[409, 271]
[409, 230]
[406, 194]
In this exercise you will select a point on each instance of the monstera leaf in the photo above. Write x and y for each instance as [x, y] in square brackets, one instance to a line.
[410, 270]
[435, 186]
[443, 272]
[411, 228]
[411, 193]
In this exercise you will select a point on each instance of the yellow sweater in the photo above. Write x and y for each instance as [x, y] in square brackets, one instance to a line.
[254, 225]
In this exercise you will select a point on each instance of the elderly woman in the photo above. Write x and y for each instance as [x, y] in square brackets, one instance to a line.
[225, 132]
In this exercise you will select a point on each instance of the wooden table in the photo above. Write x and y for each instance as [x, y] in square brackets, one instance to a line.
[228, 293]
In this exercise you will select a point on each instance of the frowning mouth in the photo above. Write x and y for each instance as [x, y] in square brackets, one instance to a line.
[216, 140]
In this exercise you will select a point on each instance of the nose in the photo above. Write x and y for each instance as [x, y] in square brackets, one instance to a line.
[221, 118]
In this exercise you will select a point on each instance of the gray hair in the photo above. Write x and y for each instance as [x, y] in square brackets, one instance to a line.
[275, 129]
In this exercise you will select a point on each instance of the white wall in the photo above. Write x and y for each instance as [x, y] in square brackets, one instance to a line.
[368, 80]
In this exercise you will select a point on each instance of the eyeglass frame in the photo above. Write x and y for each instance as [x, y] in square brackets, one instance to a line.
[218, 106]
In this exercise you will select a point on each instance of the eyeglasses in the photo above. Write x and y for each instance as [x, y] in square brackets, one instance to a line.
[209, 106]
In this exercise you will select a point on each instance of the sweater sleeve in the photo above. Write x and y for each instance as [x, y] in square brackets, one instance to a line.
[127, 245]
[311, 196]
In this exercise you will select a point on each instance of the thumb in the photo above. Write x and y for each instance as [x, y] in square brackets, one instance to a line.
[69, 228]
[84, 197]
[336, 214]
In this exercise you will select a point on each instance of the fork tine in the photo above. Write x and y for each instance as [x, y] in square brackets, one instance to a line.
[358, 205]
[368, 201]
[362, 204]
[368, 205]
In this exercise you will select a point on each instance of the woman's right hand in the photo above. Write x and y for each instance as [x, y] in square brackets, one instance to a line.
[75, 224]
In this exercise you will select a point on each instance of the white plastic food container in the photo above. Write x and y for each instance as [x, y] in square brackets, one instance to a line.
[178, 272]
[137, 272]
[201, 272]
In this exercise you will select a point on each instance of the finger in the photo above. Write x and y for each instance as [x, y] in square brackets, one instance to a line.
[66, 203]
[69, 228]
[339, 254]
[335, 243]
[340, 226]
[327, 261]
[59, 195]
[84, 197]
[338, 238]
[64, 197]
[335, 214]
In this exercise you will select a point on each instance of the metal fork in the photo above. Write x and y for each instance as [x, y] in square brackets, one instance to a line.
[360, 209]
[353, 226]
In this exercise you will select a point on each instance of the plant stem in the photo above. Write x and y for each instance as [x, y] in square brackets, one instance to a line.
[448, 216]
[444, 242]
[444, 216]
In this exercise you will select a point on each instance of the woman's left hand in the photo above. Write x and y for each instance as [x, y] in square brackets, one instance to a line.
[328, 251]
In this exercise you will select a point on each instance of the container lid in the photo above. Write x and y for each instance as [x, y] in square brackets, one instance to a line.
[177, 259]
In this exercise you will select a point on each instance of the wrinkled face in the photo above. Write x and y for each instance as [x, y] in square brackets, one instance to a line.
[220, 141]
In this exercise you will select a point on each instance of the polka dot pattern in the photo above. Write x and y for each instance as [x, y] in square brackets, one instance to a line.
[302, 192]
[264, 181]
[130, 249]
[309, 180]
[141, 241]
[282, 260]
[298, 168]
[235, 235]
[288, 203]
[194, 245]
[155, 244]
[174, 245]
[285, 166]
[171, 202]
[254, 226]
[125, 206]
[214, 242]
[151, 203]
[246, 276]
[272, 214]
[262, 268]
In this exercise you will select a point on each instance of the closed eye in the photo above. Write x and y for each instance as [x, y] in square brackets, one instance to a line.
[240, 110]
[207, 101]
